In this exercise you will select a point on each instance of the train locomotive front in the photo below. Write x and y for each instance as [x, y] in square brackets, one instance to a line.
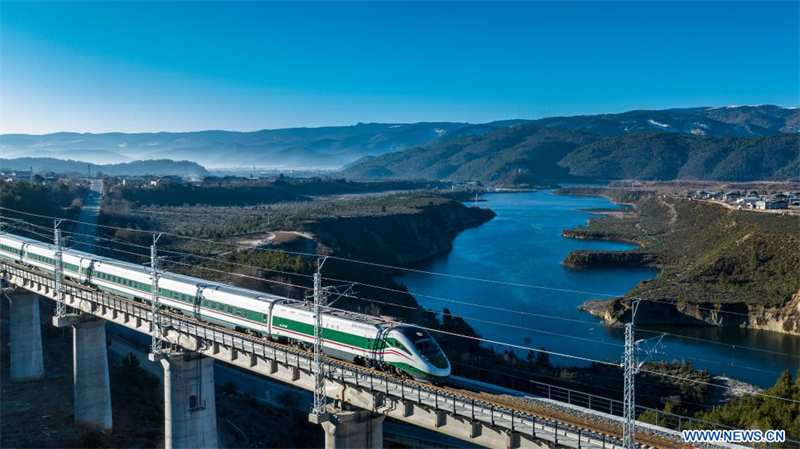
[424, 359]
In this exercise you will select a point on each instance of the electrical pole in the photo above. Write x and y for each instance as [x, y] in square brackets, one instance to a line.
[155, 345]
[632, 364]
[629, 415]
[629, 360]
[61, 306]
[320, 400]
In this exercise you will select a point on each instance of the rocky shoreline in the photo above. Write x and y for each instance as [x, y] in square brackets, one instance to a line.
[776, 319]
[610, 259]
[700, 309]
[400, 239]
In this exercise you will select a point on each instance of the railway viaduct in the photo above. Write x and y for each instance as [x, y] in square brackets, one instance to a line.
[362, 398]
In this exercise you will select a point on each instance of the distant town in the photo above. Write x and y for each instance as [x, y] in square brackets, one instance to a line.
[751, 199]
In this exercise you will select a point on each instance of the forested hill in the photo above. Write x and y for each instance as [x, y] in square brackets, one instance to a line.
[338, 146]
[516, 155]
[662, 156]
[527, 154]
[162, 167]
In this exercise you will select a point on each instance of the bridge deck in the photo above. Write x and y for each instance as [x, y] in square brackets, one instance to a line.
[481, 418]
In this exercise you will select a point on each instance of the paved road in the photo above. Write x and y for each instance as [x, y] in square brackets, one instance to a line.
[90, 215]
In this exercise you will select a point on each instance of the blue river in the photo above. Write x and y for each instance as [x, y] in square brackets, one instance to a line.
[523, 244]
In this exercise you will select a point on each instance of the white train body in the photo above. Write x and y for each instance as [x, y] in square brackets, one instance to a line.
[346, 335]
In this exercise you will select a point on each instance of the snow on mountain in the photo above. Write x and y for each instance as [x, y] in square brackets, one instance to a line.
[658, 124]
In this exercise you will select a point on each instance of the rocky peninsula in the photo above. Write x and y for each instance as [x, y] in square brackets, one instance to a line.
[713, 260]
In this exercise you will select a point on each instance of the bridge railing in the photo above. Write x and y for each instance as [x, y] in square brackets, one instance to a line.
[594, 402]
[475, 409]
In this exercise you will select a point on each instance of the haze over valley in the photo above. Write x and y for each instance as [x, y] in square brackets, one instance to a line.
[374, 224]
[695, 136]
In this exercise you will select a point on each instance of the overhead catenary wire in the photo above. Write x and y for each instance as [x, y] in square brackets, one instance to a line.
[189, 265]
[729, 312]
[758, 393]
[542, 331]
[136, 245]
[493, 281]
[170, 234]
[217, 259]
[495, 342]
[413, 270]
[705, 340]
[437, 298]
[512, 345]
[435, 312]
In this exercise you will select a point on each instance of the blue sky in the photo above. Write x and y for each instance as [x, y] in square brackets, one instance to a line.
[138, 66]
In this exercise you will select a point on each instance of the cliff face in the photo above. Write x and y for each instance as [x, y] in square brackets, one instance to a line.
[610, 259]
[784, 319]
[712, 260]
[399, 239]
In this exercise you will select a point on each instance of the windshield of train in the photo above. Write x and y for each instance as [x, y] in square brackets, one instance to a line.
[423, 341]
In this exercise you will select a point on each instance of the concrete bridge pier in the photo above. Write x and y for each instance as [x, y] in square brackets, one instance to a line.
[90, 372]
[351, 429]
[190, 414]
[25, 333]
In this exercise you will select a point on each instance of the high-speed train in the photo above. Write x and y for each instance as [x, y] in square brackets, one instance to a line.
[399, 348]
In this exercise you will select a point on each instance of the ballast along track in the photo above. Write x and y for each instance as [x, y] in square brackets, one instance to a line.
[518, 406]
[501, 402]
[450, 398]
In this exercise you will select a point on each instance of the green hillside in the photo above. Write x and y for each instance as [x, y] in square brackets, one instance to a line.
[529, 154]
[663, 156]
[515, 155]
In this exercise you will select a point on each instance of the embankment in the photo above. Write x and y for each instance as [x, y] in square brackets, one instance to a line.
[399, 239]
[784, 319]
[610, 259]
[712, 260]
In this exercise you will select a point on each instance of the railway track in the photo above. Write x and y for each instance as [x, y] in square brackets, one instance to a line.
[506, 403]
[501, 402]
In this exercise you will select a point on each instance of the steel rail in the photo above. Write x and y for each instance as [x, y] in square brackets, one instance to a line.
[507, 412]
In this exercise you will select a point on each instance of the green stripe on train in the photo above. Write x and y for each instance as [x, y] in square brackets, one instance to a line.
[327, 334]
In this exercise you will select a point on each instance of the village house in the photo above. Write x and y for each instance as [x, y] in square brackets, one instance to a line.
[731, 196]
[772, 205]
[747, 201]
[135, 181]
[165, 180]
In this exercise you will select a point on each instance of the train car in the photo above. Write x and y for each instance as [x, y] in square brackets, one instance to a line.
[39, 255]
[12, 246]
[42, 255]
[124, 279]
[399, 348]
[77, 264]
[354, 337]
[233, 307]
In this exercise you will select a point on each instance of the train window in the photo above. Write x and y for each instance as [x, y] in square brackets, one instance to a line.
[422, 340]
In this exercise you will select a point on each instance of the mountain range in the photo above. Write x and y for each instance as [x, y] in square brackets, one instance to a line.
[327, 147]
[338, 146]
[752, 143]
[135, 168]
